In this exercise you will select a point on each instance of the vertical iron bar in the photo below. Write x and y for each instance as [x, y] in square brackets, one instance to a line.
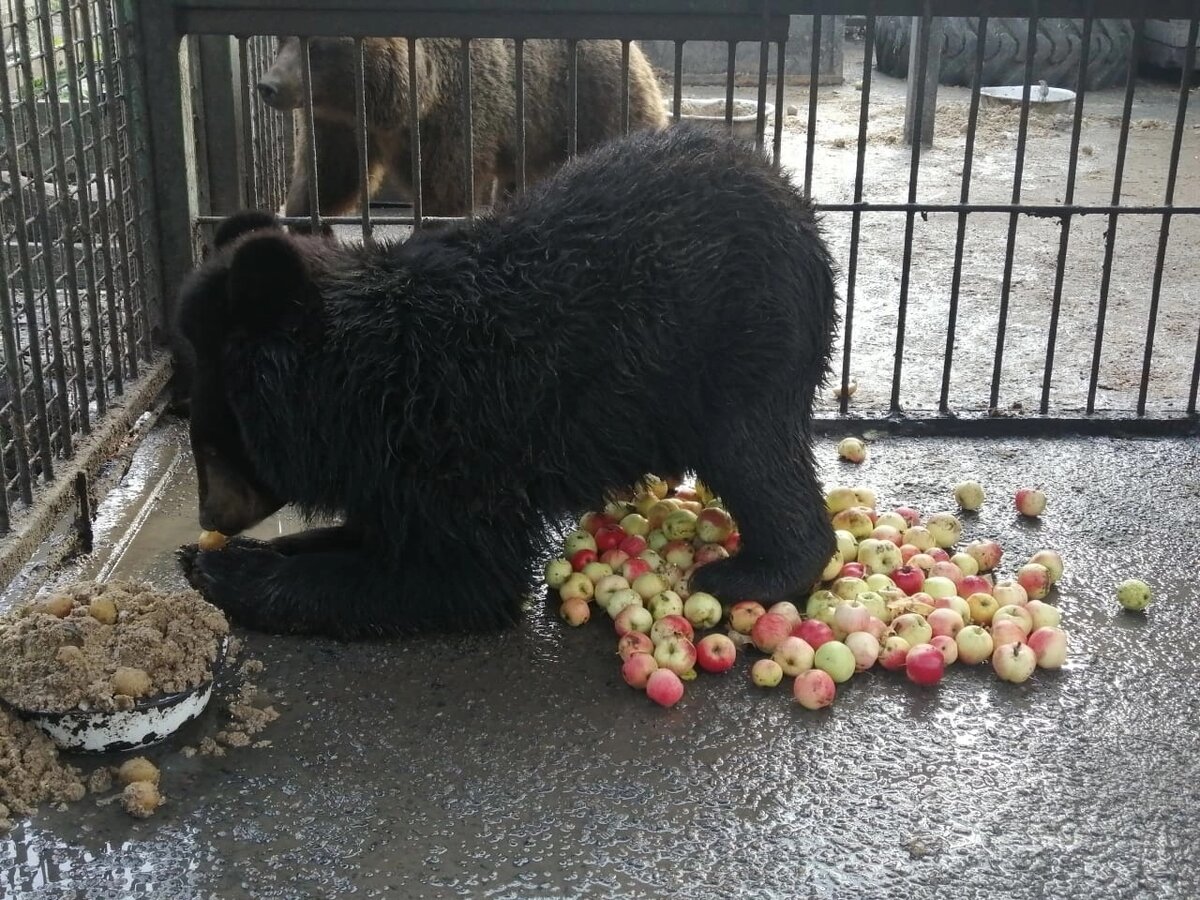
[730, 67]
[814, 75]
[83, 205]
[66, 217]
[58, 362]
[1195, 389]
[572, 97]
[111, 102]
[1068, 198]
[780, 72]
[910, 217]
[254, 174]
[110, 278]
[33, 331]
[314, 197]
[5, 523]
[856, 219]
[1014, 218]
[519, 46]
[468, 129]
[677, 86]
[764, 63]
[16, 387]
[360, 138]
[248, 183]
[1189, 62]
[1110, 235]
[119, 45]
[964, 197]
[414, 130]
[624, 87]
[264, 126]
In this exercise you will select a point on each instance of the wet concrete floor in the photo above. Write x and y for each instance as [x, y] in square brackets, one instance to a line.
[521, 766]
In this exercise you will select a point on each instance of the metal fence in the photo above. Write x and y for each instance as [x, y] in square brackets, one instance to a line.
[79, 293]
[1007, 311]
[971, 300]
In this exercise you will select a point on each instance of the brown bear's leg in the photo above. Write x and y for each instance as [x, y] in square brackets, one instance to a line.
[337, 171]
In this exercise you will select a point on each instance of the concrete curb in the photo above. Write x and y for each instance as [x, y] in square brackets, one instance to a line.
[102, 444]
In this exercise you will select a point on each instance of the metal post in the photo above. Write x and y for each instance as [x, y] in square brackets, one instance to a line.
[220, 77]
[171, 150]
[928, 108]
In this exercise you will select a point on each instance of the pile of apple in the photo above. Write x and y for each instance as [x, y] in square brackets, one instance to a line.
[898, 592]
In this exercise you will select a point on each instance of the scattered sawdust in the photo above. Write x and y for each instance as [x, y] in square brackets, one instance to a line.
[100, 781]
[31, 772]
[141, 798]
[57, 655]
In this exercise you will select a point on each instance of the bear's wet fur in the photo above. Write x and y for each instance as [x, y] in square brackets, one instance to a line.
[662, 304]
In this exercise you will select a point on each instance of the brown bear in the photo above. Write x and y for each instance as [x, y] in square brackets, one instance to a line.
[439, 95]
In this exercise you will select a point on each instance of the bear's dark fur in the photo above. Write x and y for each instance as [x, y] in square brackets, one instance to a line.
[442, 127]
[662, 304]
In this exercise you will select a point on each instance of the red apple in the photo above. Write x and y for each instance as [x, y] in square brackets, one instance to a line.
[633, 568]
[713, 525]
[575, 611]
[924, 665]
[637, 669]
[1014, 662]
[974, 584]
[709, 553]
[664, 687]
[581, 558]
[634, 545]
[853, 570]
[715, 653]
[814, 632]
[614, 558]
[814, 689]
[594, 521]
[1049, 645]
[671, 626]
[769, 630]
[609, 536]
[1030, 502]
[743, 615]
[677, 654]
[908, 578]
[634, 642]
[946, 646]
[893, 653]
[794, 656]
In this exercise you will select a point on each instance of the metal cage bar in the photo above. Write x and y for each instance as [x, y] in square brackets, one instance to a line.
[1189, 63]
[1068, 199]
[961, 234]
[1110, 235]
[361, 141]
[1013, 219]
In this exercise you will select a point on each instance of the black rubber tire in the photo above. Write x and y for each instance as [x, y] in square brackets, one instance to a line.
[1056, 59]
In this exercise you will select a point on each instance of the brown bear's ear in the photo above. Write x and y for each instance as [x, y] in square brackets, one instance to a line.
[269, 285]
[241, 223]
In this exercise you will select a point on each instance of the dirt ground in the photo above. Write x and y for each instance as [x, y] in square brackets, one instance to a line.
[1036, 249]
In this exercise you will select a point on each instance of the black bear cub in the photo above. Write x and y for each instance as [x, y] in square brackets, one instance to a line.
[662, 304]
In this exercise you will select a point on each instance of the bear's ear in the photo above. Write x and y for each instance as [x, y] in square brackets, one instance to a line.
[269, 285]
[241, 223]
